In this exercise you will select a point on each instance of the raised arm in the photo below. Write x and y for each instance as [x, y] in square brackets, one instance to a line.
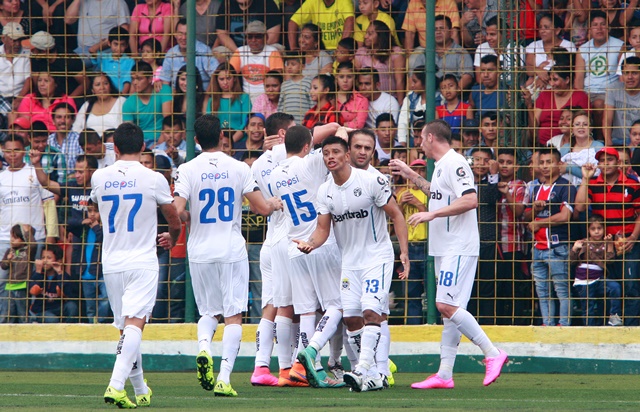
[400, 168]
[43, 178]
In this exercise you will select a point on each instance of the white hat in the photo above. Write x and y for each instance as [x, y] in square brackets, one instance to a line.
[42, 41]
[14, 31]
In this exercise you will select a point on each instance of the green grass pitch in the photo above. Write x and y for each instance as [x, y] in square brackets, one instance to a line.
[37, 390]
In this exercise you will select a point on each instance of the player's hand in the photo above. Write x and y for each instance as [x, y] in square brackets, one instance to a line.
[608, 238]
[588, 170]
[533, 226]
[276, 203]
[538, 205]
[165, 241]
[578, 245]
[417, 218]
[57, 267]
[404, 259]
[303, 246]
[270, 141]
[342, 132]
[35, 156]
[628, 244]
[87, 221]
[503, 187]
[157, 86]
[494, 167]
[399, 168]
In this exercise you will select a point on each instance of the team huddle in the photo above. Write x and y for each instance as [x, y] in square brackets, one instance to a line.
[327, 260]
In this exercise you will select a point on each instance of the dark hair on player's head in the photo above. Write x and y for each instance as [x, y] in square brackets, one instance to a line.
[366, 132]
[89, 136]
[491, 115]
[128, 138]
[489, 58]
[335, 140]
[550, 150]
[57, 251]
[481, 149]
[278, 121]
[385, 117]
[118, 33]
[370, 71]
[208, 129]
[92, 161]
[440, 129]
[296, 138]
[173, 120]
[506, 151]
[446, 19]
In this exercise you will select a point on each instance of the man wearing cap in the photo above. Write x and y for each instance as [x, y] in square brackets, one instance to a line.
[234, 15]
[255, 59]
[176, 58]
[15, 67]
[616, 198]
[45, 59]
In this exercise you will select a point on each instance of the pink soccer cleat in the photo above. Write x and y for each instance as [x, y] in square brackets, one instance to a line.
[434, 382]
[494, 367]
[262, 377]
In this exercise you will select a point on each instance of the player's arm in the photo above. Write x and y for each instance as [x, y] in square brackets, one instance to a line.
[181, 208]
[561, 218]
[402, 233]
[319, 235]
[468, 201]
[263, 206]
[170, 213]
[43, 178]
[400, 168]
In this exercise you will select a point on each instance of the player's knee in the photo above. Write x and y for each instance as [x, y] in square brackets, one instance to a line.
[446, 310]
[371, 316]
[353, 322]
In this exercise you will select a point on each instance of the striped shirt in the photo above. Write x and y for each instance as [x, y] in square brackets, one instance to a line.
[617, 203]
[295, 99]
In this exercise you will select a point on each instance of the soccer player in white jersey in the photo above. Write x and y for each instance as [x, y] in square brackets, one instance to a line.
[357, 202]
[455, 244]
[128, 195]
[315, 277]
[213, 184]
[271, 268]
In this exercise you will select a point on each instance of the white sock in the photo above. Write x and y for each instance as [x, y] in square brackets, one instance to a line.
[467, 324]
[351, 355]
[295, 340]
[136, 376]
[326, 328]
[448, 348]
[368, 348]
[307, 329]
[207, 326]
[264, 342]
[355, 341]
[283, 341]
[382, 355]
[335, 344]
[126, 353]
[230, 347]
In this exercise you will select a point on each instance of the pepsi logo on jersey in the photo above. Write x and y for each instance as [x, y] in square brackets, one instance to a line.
[120, 184]
[214, 176]
[288, 182]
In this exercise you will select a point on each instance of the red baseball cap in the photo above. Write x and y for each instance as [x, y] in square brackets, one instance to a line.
[608, 150]
[22, 122]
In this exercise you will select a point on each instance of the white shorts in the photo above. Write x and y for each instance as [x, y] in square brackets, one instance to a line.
[455, 277]
[315, 280]
[281, 272]
[267, 275]
[220, 288]
[366, 289]
[132, 294]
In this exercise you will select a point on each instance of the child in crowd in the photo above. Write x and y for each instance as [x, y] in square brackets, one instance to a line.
[370, 13]
[345, 53]
[227, 100]
[115, 62]
[352, 107]
[226, 142]
[470, 133]
[564, 124]
[151, 52]
[46, 287]
[625, 163]
[322, 92]
[633, 39]
[94, 291]
[413, 106]
[174, 145]
[267, 103]
[18, 260]
[454, 111]
[592, 255]
[294, 93]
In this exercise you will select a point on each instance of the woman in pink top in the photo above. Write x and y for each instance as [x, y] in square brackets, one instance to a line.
[39, 105]
[353, 108]
[549, 104]
[153, 19]
[380, 53]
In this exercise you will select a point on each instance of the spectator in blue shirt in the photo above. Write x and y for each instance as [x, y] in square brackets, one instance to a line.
[176, 58]
[115, 63]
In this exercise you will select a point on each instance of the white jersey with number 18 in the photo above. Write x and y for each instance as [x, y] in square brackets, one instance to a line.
[128, 195]
[453, 235]
[277, 225]
[214, 184]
